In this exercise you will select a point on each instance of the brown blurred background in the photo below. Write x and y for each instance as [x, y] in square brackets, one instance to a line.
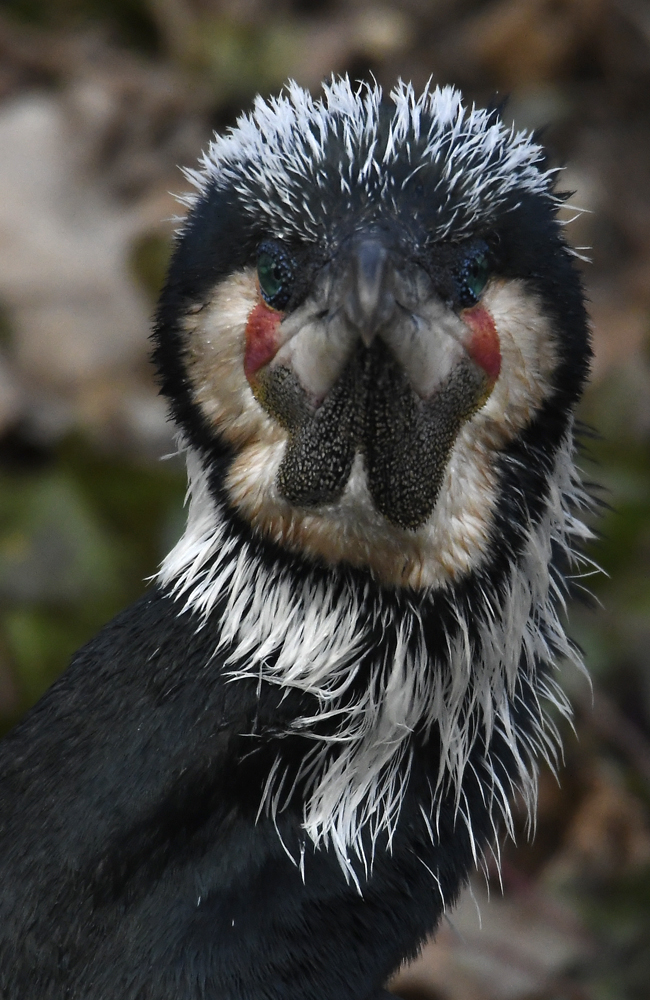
[99, 102]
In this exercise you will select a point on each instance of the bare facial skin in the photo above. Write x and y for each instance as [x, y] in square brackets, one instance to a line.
[455, 538]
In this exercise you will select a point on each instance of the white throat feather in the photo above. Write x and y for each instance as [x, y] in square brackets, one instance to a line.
[310, 638]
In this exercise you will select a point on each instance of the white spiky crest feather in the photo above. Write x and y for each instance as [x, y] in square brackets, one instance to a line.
[308, 638]
[278, 158]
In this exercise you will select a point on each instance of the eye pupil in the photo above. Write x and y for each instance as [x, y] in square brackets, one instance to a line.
[476, 276]
[269, 274]
[274, 273]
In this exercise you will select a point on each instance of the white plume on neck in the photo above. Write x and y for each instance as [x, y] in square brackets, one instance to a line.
[307, 636]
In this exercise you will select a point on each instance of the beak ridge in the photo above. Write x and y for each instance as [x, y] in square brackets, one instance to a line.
[369, 300]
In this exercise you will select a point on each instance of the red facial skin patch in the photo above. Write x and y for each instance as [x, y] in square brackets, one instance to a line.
[262, 338]
[483, 345]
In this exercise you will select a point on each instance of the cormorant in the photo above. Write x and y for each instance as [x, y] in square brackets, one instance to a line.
[267, 778]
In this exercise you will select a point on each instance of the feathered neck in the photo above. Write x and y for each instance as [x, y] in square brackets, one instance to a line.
[456, 661]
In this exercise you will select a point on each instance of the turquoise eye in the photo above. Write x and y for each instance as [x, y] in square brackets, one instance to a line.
[275, 270]
[478, 273]
[270, 275]
[473, 276]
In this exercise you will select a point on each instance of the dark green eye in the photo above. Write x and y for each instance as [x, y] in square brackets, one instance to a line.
[473, 278]
[270, 275]
[275, 270]
[478, 274]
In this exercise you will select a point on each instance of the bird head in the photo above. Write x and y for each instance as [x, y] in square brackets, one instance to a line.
[372, 332]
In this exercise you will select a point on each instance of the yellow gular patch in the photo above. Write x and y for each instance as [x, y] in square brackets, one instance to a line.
[455, 539]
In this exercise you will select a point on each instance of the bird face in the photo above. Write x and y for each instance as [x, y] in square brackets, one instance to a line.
[367, 323]
[374, 363]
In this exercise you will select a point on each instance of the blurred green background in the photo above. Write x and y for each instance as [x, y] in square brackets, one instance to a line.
[99, 102]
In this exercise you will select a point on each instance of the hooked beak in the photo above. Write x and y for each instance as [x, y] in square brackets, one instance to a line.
[368, 299]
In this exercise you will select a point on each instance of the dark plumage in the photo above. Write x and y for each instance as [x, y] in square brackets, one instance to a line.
[267, 777]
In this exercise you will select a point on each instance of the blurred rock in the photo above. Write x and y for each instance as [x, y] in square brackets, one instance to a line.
[62, 248]
[76, 313]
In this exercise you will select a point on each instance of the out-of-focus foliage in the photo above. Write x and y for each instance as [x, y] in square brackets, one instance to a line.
[79, 532]
[99, 99]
